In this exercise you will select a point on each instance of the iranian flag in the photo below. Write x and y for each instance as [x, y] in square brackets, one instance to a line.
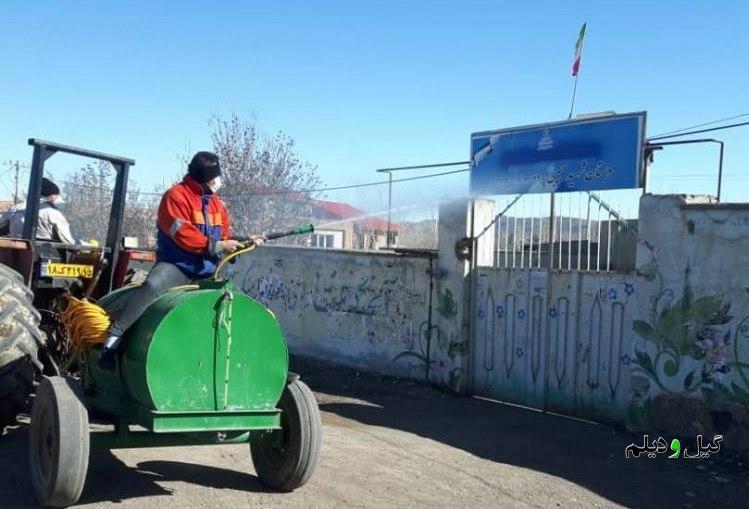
[578, 51]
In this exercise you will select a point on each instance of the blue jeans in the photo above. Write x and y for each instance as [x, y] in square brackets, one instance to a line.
[160, 279]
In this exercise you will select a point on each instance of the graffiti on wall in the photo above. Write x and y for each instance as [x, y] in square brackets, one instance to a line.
[329, 292]
[378, 303]
[273, 289]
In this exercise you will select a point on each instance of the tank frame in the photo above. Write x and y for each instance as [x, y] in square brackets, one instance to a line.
[284, 438]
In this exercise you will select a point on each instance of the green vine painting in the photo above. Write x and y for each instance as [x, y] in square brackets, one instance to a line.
[441, 353]
[446, 305]
[695, 347]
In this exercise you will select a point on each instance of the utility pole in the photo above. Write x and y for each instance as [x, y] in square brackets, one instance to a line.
[15, 187]
[388, 235]
[16, 167]
[390, 171]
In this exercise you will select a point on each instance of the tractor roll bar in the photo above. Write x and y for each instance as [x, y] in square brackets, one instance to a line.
[58, 147]
[43, 150]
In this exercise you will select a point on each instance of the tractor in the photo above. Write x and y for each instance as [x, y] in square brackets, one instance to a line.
[34, 274]
[204, 364]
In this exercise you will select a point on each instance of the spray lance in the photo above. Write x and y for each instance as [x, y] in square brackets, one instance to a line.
[297, 230]
[249, 244]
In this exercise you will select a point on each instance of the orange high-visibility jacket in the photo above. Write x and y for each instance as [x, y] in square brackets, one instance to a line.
[190, 222]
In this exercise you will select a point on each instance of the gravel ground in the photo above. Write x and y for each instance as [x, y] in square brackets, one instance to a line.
[395, 443]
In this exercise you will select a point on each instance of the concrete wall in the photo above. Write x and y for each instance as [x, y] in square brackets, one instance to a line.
[363, 310]
[372, 310]
[665, 347]
[691, 352]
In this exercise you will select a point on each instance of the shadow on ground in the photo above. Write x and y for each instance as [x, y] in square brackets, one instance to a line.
[109, 479]
[142, 480]
[589, 455]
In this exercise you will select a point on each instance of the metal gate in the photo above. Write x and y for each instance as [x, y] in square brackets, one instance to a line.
[552, 313]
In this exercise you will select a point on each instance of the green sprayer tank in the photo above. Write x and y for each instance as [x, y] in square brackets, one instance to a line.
[203, 364]
[199, 358]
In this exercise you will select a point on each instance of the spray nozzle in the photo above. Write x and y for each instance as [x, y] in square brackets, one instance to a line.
[298, 230]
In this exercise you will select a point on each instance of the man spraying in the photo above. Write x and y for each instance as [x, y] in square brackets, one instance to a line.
[193, 235]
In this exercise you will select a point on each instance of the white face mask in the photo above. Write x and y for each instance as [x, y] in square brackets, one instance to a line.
[214, 185]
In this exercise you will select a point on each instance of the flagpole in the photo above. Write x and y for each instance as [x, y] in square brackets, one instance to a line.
[574, 92]
[576, 66]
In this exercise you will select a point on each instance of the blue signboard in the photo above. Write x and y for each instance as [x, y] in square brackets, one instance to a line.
[576, 155]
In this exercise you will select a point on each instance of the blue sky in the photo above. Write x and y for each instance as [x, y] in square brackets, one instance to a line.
[361, 85]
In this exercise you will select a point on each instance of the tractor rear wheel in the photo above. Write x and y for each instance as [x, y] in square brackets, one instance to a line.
[58, 442]
[20, 338]
[288, 463]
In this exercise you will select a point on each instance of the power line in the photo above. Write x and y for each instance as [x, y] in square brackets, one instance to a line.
[697, 177]
[366, 184]
[299, 191]
[689, 133]
[726, 119]
[7, 187]
[422, 166]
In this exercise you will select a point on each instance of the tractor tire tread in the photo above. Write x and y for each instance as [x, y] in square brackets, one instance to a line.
[20, 338]
[295, 466]
[10, 273]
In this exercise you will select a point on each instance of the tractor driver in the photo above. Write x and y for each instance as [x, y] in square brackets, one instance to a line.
[193, 234]
[51, 223]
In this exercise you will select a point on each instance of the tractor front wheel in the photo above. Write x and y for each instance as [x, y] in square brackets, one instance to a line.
[58, 442]
[288, 463]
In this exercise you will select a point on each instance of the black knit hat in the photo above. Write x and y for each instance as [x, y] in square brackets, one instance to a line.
[49, 188]
[204, 167]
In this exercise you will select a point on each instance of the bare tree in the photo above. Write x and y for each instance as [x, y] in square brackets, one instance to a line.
[265, 187]
[265, 182]
[140, 218]
[88, 201]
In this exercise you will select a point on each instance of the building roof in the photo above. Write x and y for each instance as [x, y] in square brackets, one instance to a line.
[332, 210]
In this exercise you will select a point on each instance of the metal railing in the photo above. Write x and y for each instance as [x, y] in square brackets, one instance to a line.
[578, 231]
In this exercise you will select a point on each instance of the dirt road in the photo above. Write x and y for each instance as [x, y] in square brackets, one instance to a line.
[389, 443]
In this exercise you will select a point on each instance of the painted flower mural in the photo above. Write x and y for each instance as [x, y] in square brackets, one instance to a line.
[691, 344]
[715, 352]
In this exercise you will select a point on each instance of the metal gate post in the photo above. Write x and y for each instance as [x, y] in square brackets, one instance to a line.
[470, 300]
[549, 294]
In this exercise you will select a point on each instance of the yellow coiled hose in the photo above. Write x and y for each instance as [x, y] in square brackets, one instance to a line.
[87, 323]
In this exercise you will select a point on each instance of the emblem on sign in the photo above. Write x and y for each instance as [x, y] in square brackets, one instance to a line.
[545, 143]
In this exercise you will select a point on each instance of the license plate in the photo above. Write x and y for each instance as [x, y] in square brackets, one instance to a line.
[67, 270]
